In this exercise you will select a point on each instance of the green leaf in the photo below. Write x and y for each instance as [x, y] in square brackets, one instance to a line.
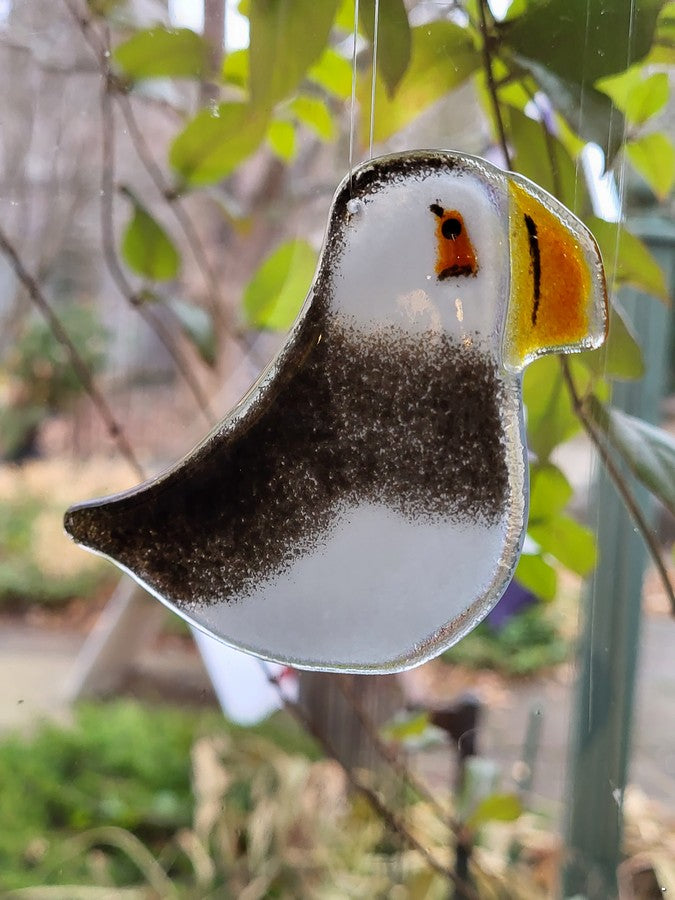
[344, 18]
[333, 73]
[627, 259]
[496, 808]
[537, 576]
[567, 136]
[216, 141]
[621, 355]
[545, 160]
[481, 776]
[649, 451]
[235, 68]
[584, 40]
[647, 98]
[281, 138]
[550, 492]
[653, 156]
[275, 294]
[571, 543]
[147, 249]
[443, 56]
[511, 91]
[550, 417]
[197, 325]
[663, 49]
[287, 37]
[619, 86]
[314, 113]
[163, 53]
[393, 38]
[589, 113]
[403, 729]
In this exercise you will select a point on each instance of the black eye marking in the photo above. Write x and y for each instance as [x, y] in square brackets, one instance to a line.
[437, 210]
[451, 229]
[536, 263]
[456, 271]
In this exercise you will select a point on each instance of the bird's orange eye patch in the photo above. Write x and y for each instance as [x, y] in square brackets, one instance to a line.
[455, 255]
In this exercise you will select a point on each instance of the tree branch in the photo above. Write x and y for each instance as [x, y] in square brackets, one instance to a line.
[389, 755]
[113, 264]
[80, 367]
[181, 214]
[492, 87]
[620, 482]
[101, 50]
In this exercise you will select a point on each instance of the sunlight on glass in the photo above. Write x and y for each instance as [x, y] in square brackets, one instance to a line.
[601, 184]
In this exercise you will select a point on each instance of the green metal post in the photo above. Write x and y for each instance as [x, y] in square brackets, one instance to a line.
[600, 749]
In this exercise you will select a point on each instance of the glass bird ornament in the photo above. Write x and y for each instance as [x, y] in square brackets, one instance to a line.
[364, 505]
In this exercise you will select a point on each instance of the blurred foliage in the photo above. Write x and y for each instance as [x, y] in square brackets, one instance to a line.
[40, 378]
[141, 801]
[297, 72]
[160, 52]
[528, 643]
[23, 580]
[38, 563]
[271, 298]
[146, 247]
[648, 451]
[123, 766]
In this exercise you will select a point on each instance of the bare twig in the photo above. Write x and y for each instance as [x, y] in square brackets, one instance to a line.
[387, 815]
[80, 367]
[620, 482]
[492, 87]
[84, 23]
[388, 754]
[101, 52]
[101, 49]
[182, 216]
[46, 65]
[114, 267]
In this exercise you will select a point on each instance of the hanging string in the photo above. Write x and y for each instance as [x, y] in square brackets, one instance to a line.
[584, 60]
[622, 169]
[352, 113]
[611, 291]
[373, 77]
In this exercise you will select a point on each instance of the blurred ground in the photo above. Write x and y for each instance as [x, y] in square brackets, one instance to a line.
[36, 658]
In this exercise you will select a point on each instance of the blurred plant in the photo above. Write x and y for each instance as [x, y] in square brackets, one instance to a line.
[527, 643]
[23, 580]
[189, 806]
[38, 564]
[40, 378]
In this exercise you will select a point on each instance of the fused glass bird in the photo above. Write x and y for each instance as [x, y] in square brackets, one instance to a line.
[364, 505]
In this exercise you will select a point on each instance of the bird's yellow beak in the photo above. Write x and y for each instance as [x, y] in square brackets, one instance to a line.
[558, 296]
